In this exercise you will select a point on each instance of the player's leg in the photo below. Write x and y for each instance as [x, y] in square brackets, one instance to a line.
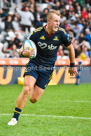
[35, 94]
[29, 83]
[42, 82]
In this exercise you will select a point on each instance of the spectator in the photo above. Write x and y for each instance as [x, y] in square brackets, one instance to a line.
[78, 11]
[67, 26]
[4, 53]
[63, 18]
[10, 39]
[88, 35]
[6, 3]
[32, 1]
[75, 5]
[15, 23]
[13, 52]
[64, 13]
[88, 2]
[60, 54]
[85, 43]
[78, 51]
[44, 16]
[8, 23]
[62, 4]
[84, 54]
[17, 41]
[37, 16]
[26, 19]
[80, 2]
[31, 8]
[81, 37]
[3, 14]
[71, 13]
[84, 13]
[10, 43]
[89, 20]
[73, 22]
[78, 28]
[57, 6]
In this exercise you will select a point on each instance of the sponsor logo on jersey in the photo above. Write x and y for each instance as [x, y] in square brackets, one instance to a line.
[56, 38]
[42, 37]
[44, 45]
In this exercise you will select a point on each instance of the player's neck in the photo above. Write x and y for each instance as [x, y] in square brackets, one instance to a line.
[48, 30]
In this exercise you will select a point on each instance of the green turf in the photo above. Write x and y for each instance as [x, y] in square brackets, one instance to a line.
[61, 100]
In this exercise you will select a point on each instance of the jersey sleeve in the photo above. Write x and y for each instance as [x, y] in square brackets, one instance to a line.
[31, 36]
[34, 35]
[66, 38]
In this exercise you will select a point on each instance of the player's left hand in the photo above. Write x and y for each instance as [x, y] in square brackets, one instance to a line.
[72, 71]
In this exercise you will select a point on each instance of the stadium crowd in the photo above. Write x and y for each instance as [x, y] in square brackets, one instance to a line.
[19, 18]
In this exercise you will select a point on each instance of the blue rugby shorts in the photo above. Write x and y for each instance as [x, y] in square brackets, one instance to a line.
[41, 73]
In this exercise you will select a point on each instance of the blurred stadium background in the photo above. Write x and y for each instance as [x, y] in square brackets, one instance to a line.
[64, 110]
[19, 18]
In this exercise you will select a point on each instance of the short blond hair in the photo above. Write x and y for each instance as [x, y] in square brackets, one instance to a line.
[49, 16]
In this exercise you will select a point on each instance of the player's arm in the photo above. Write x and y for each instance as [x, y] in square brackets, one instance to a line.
[26, 52]
[71, 53]
[72, 70]
[67, 41]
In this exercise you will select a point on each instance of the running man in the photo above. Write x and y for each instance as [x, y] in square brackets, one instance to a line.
[39, 69]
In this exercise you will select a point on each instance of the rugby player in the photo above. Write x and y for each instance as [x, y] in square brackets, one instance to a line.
[39, 69]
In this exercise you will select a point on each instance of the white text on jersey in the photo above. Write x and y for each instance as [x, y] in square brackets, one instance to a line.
[44, 45]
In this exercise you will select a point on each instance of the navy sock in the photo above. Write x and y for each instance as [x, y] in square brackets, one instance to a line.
[17, 113]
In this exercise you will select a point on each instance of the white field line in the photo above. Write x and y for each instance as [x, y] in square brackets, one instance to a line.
[76, 101]
[48, 116]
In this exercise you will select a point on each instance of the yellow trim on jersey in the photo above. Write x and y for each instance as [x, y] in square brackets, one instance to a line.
[61, 29]
[38, 29]
[25, 70]
[50, 76]
[46, 85]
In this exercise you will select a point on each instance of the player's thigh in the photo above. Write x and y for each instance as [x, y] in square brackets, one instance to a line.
[41, 83]
[36, 94]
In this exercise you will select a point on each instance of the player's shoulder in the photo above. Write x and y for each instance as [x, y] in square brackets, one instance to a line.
[62, 30]
[38, 29]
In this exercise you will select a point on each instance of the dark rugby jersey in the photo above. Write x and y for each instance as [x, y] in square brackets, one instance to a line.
[48, 45]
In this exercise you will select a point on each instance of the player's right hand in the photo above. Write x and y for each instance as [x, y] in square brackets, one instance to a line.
[73, 71]
[28, 52]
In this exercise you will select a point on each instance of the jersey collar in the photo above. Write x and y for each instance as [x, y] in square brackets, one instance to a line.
[49, 35]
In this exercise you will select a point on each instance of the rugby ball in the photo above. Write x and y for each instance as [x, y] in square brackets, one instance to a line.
[31, 45]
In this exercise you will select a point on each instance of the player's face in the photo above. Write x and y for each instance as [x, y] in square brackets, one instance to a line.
[54, 23]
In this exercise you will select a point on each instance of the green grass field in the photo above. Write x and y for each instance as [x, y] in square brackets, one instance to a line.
[63, 110]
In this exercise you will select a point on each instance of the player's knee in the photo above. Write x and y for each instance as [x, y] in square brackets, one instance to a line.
[26, 90]
[33, 100]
